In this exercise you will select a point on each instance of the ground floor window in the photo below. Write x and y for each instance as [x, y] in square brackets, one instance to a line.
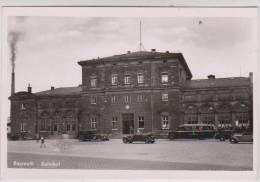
[208, 118]
[224, 121]
[45, 125]
[55, 125]
[242, 120]
[93, 123]
[141, 122]
[23, 126]
[165, 122]
[114, 123]
[192, 119]
[70, 124]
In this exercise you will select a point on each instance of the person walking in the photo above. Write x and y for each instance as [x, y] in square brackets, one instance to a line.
[37, 137]
[42, 142]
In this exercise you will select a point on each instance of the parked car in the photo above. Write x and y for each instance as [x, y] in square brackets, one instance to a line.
[21, 136]
[199, 131]
[93, 136]
[223, 134]
[140, 137]
[241, 137]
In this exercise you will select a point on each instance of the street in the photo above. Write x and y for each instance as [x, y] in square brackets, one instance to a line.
[180, 154]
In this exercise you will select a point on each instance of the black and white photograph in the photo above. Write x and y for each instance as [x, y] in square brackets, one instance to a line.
[153, 89]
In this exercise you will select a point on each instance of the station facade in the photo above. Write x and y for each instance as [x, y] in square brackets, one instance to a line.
[144, 91]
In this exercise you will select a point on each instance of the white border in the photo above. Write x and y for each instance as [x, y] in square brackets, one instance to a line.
[118, 174]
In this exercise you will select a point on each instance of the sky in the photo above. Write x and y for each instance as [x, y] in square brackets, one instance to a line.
[49, 48]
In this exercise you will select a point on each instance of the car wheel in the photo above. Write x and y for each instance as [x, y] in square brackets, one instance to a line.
[232, 140]
[222, 139]
[124, 140]
[147, 140]
[201, 137]
[171, 138]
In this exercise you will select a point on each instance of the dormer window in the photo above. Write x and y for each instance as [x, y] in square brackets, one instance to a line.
[164, 78]
[93, 82]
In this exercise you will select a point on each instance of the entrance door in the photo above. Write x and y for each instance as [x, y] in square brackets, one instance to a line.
[128, 123]
[62, 127]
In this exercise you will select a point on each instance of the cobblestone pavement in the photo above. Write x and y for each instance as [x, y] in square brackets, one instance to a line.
[164, 154]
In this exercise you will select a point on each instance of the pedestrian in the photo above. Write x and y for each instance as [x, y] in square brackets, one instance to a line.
[42, 142]
[37, 137]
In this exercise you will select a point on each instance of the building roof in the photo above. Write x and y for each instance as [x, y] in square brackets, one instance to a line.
[217, 82]
[60, 91]
[139, 55]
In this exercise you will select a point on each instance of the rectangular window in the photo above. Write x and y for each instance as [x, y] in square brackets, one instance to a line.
[23, 106]
[68, 127]
[93, 82]
[73, 127]
[141, 122]
[42, 125]
[55, 125]
[114, 79]
[192, 119]
[114, 99]
[140, 78]
[93, 123]
[242, 120]
[23, 124]
[114, 123]
[165, 97]
[48, 125]
[45, 125]
[93, 100]
[127, 79]
[164, 78]
[126, 98]
[140, 98]
[165, 122]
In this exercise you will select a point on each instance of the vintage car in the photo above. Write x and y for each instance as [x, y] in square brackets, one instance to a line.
[223, 134]
[139, 137]
[21, 136]
[200, 131]
[241, 137]
[93, 136]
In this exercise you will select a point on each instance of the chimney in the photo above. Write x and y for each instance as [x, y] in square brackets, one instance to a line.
[52, 88]
[13, 83]
[251, 76]
[153, 50]
[29, 88]
[211, 77]
[128, 52]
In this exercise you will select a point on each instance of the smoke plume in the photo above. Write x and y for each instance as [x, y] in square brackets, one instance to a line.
[13, 37]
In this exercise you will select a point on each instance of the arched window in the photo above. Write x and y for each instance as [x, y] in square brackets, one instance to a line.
[241, 116]
[70, 121]
[207, 114]
[45, 122]
[191, 115]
